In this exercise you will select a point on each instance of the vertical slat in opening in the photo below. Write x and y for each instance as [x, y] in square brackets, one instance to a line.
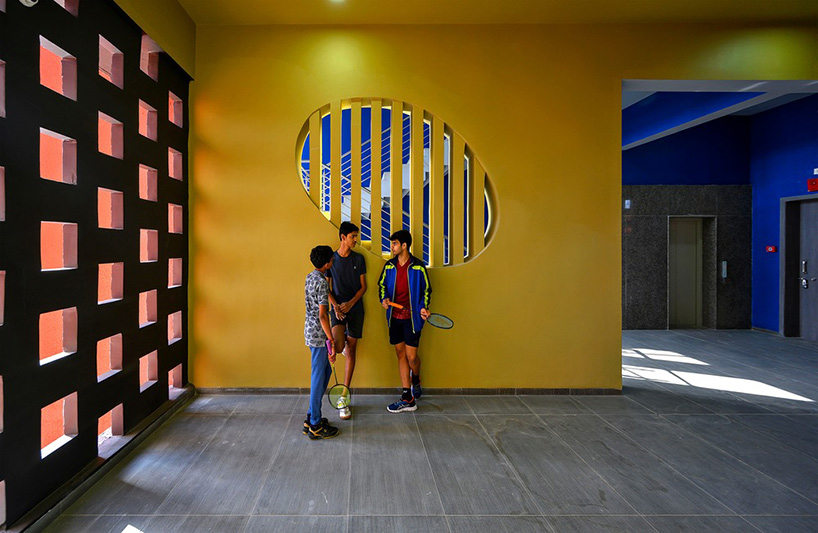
[416, 183]
[436, 229]
[396, 169]
[457, 216]
[477, 226]
[315, 159]
[375, 173]
[355, 163]
[335, 164]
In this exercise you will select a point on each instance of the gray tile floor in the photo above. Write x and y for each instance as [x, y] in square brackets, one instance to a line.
[715, 431]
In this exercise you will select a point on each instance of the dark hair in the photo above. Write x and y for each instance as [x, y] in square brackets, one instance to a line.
[321, 255]
[347, 228]
[403, 237]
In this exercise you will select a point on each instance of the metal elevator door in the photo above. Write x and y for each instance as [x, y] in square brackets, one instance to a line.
[685, 272]
[808, 270]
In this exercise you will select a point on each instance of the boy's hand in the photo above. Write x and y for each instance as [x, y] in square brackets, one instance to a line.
[344, 307]
[338, 314]
[385, 303]
[424, 313]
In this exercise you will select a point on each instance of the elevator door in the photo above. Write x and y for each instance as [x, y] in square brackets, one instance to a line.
[808, 267]
[685, 273]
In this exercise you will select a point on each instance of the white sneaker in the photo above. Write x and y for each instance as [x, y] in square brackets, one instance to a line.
[345, 413]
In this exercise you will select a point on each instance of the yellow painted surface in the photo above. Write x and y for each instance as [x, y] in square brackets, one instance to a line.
[167, 23]
[540, 108]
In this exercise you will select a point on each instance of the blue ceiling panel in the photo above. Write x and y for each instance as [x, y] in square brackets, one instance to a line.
[662, 111]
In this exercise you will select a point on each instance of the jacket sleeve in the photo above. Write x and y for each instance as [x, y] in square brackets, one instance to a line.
[427, 289]
[382, 284]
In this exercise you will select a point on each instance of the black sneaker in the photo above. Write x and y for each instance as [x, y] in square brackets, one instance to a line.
[417, 392]
[322, 431]
[307, 424]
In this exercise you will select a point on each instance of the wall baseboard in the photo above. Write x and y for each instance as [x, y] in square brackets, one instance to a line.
[508, 391]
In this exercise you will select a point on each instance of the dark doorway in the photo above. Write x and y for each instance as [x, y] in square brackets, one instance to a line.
[800, 268]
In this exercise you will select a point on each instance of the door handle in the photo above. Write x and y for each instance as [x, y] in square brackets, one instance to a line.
[805, 282]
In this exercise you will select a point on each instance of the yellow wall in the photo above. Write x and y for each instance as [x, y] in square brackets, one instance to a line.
[167, 23]
[540, 105]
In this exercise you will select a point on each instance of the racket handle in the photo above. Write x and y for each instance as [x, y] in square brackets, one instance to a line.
[329, 346]
[397, 306]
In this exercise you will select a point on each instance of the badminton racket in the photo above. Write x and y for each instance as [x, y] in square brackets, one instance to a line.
[434, 319]
[339, 395]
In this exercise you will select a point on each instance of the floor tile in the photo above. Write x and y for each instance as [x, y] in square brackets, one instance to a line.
[230, 471]
[371, 404]
[307, 477]
[98, 524]
[642, 479]
[662, 401]
[269, 404]
[443, 404]
[471, 476]
[313, 524]
[495, 405]
[791, 468]
[697, 524]
[498, 524]
[390, 473]
[397, 524]
[784, 524]
[798, 432]
[612, 405]
[220, 404]
[594, 524]
[553, 405]
[143, 480]
[743, 489]
[199, 523]
[558, 479]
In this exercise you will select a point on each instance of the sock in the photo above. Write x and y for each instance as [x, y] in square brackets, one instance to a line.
[407, 395]
[415, 379]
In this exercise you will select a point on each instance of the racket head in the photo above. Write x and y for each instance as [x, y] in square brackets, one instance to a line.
[440, 321]
[339, 396]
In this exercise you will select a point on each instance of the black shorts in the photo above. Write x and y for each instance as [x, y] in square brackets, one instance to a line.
[354, 322]
[401, 331]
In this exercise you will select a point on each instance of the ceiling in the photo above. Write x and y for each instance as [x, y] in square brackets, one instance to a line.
[266, 12]
[653, 109]
[658, 107]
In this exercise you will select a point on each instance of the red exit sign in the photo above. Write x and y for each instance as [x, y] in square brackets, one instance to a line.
[812, 184]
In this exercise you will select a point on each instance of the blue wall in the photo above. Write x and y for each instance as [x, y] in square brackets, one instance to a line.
[774, 151]
[714, 153]
[783, 154]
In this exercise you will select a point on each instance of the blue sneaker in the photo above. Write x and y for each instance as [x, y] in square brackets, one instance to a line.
[417, 392]
[402, 405]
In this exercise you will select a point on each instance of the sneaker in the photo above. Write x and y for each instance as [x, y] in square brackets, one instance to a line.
[417, 392]
[322, 431]
[345, 413]
[402, 405]
[343, 401]
[307, 424]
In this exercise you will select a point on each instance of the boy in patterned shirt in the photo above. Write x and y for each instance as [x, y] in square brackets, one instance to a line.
[318, 338]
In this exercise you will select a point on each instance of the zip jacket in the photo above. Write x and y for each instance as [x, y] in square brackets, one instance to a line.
[420, 290]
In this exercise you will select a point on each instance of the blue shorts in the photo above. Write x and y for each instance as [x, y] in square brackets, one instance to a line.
[401, 331]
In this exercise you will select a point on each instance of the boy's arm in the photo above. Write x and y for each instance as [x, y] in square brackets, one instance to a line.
[323, 316]
[346, 306]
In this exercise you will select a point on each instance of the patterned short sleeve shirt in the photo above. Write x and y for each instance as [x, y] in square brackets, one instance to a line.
[316, 291]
